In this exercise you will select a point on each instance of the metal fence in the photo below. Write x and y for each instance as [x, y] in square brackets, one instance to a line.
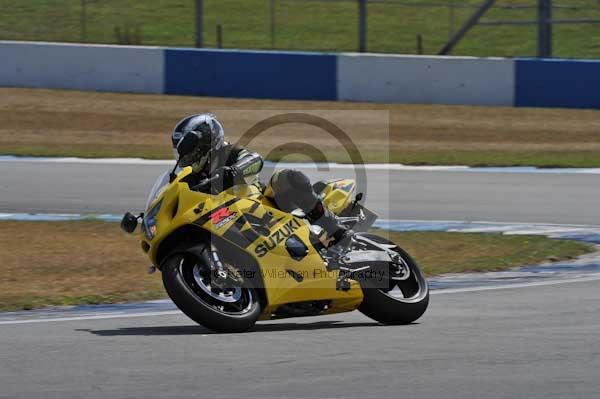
[564, 28]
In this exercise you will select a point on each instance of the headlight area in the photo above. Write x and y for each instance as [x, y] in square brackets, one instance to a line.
[149, 223]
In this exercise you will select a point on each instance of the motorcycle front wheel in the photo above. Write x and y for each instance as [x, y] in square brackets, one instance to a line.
[403, 299]
[187, 280]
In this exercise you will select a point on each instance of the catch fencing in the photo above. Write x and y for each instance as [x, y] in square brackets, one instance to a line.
[377, 26]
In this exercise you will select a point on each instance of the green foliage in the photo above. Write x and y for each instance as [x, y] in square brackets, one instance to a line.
[317, 25]
[440, 253]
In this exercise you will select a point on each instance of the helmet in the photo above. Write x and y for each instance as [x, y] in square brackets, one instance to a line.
[210, 133]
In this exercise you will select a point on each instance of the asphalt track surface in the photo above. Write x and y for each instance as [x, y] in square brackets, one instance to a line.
[539, 342]
[396, 194]
[529, 341]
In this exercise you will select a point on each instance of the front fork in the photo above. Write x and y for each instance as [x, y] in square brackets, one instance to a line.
[217, 269]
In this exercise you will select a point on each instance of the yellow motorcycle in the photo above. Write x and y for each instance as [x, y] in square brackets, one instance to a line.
[231, 258]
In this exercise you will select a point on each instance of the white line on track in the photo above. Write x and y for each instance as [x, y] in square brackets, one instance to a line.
[312, 165]
[176, 312]
[95, 317]
[487, 222]
[594, 277]
[70, 160]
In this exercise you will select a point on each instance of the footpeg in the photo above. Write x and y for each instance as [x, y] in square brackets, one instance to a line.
[342, 284]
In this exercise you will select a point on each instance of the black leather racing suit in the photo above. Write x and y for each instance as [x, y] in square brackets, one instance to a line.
[288, 188]
[236, 165]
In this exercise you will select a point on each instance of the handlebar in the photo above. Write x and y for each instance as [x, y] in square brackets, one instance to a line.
[205, 182]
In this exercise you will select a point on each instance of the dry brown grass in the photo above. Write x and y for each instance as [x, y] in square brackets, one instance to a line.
[47, 263]
[65, 263]
[54, 122]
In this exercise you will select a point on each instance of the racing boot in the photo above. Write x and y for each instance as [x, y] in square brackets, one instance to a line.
[321, 216]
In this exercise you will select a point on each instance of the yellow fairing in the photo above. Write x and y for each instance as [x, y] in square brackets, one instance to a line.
[337, 194]
[286, 280]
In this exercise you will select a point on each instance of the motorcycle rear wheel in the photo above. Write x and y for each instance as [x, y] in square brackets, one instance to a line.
[186, 279]
[402, 301]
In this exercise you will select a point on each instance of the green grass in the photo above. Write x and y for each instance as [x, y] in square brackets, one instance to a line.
[301, 25]
[515, 158]
[440, 253]
[91, 262]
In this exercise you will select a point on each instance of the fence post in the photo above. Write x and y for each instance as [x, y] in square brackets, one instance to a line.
[362, 26]
[84, 21]
[451, 18]
[219, 36]
[272, 23]
[472, 21]
[544, 28]
[199, 27]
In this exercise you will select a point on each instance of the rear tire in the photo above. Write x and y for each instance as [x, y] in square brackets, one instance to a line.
[182, 283]
[386, 307]
[383, 309]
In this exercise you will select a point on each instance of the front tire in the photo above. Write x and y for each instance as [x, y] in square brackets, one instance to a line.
[402, 301]
[186, 279]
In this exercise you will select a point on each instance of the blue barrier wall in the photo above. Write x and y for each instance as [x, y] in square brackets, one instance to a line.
[302, 76]
[557, 83]
[251, 74]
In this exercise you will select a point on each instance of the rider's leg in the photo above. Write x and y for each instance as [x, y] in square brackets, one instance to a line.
[291, 189]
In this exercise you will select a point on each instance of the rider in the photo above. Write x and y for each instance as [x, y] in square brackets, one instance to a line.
[290, 189]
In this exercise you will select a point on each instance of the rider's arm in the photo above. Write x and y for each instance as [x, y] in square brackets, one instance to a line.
[248, 163]
[246, 166]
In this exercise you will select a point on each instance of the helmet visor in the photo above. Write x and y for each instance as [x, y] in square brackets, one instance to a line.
[195, 160]
[201, 163]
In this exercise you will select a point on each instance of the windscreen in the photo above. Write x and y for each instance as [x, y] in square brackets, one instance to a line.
[160, 182]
